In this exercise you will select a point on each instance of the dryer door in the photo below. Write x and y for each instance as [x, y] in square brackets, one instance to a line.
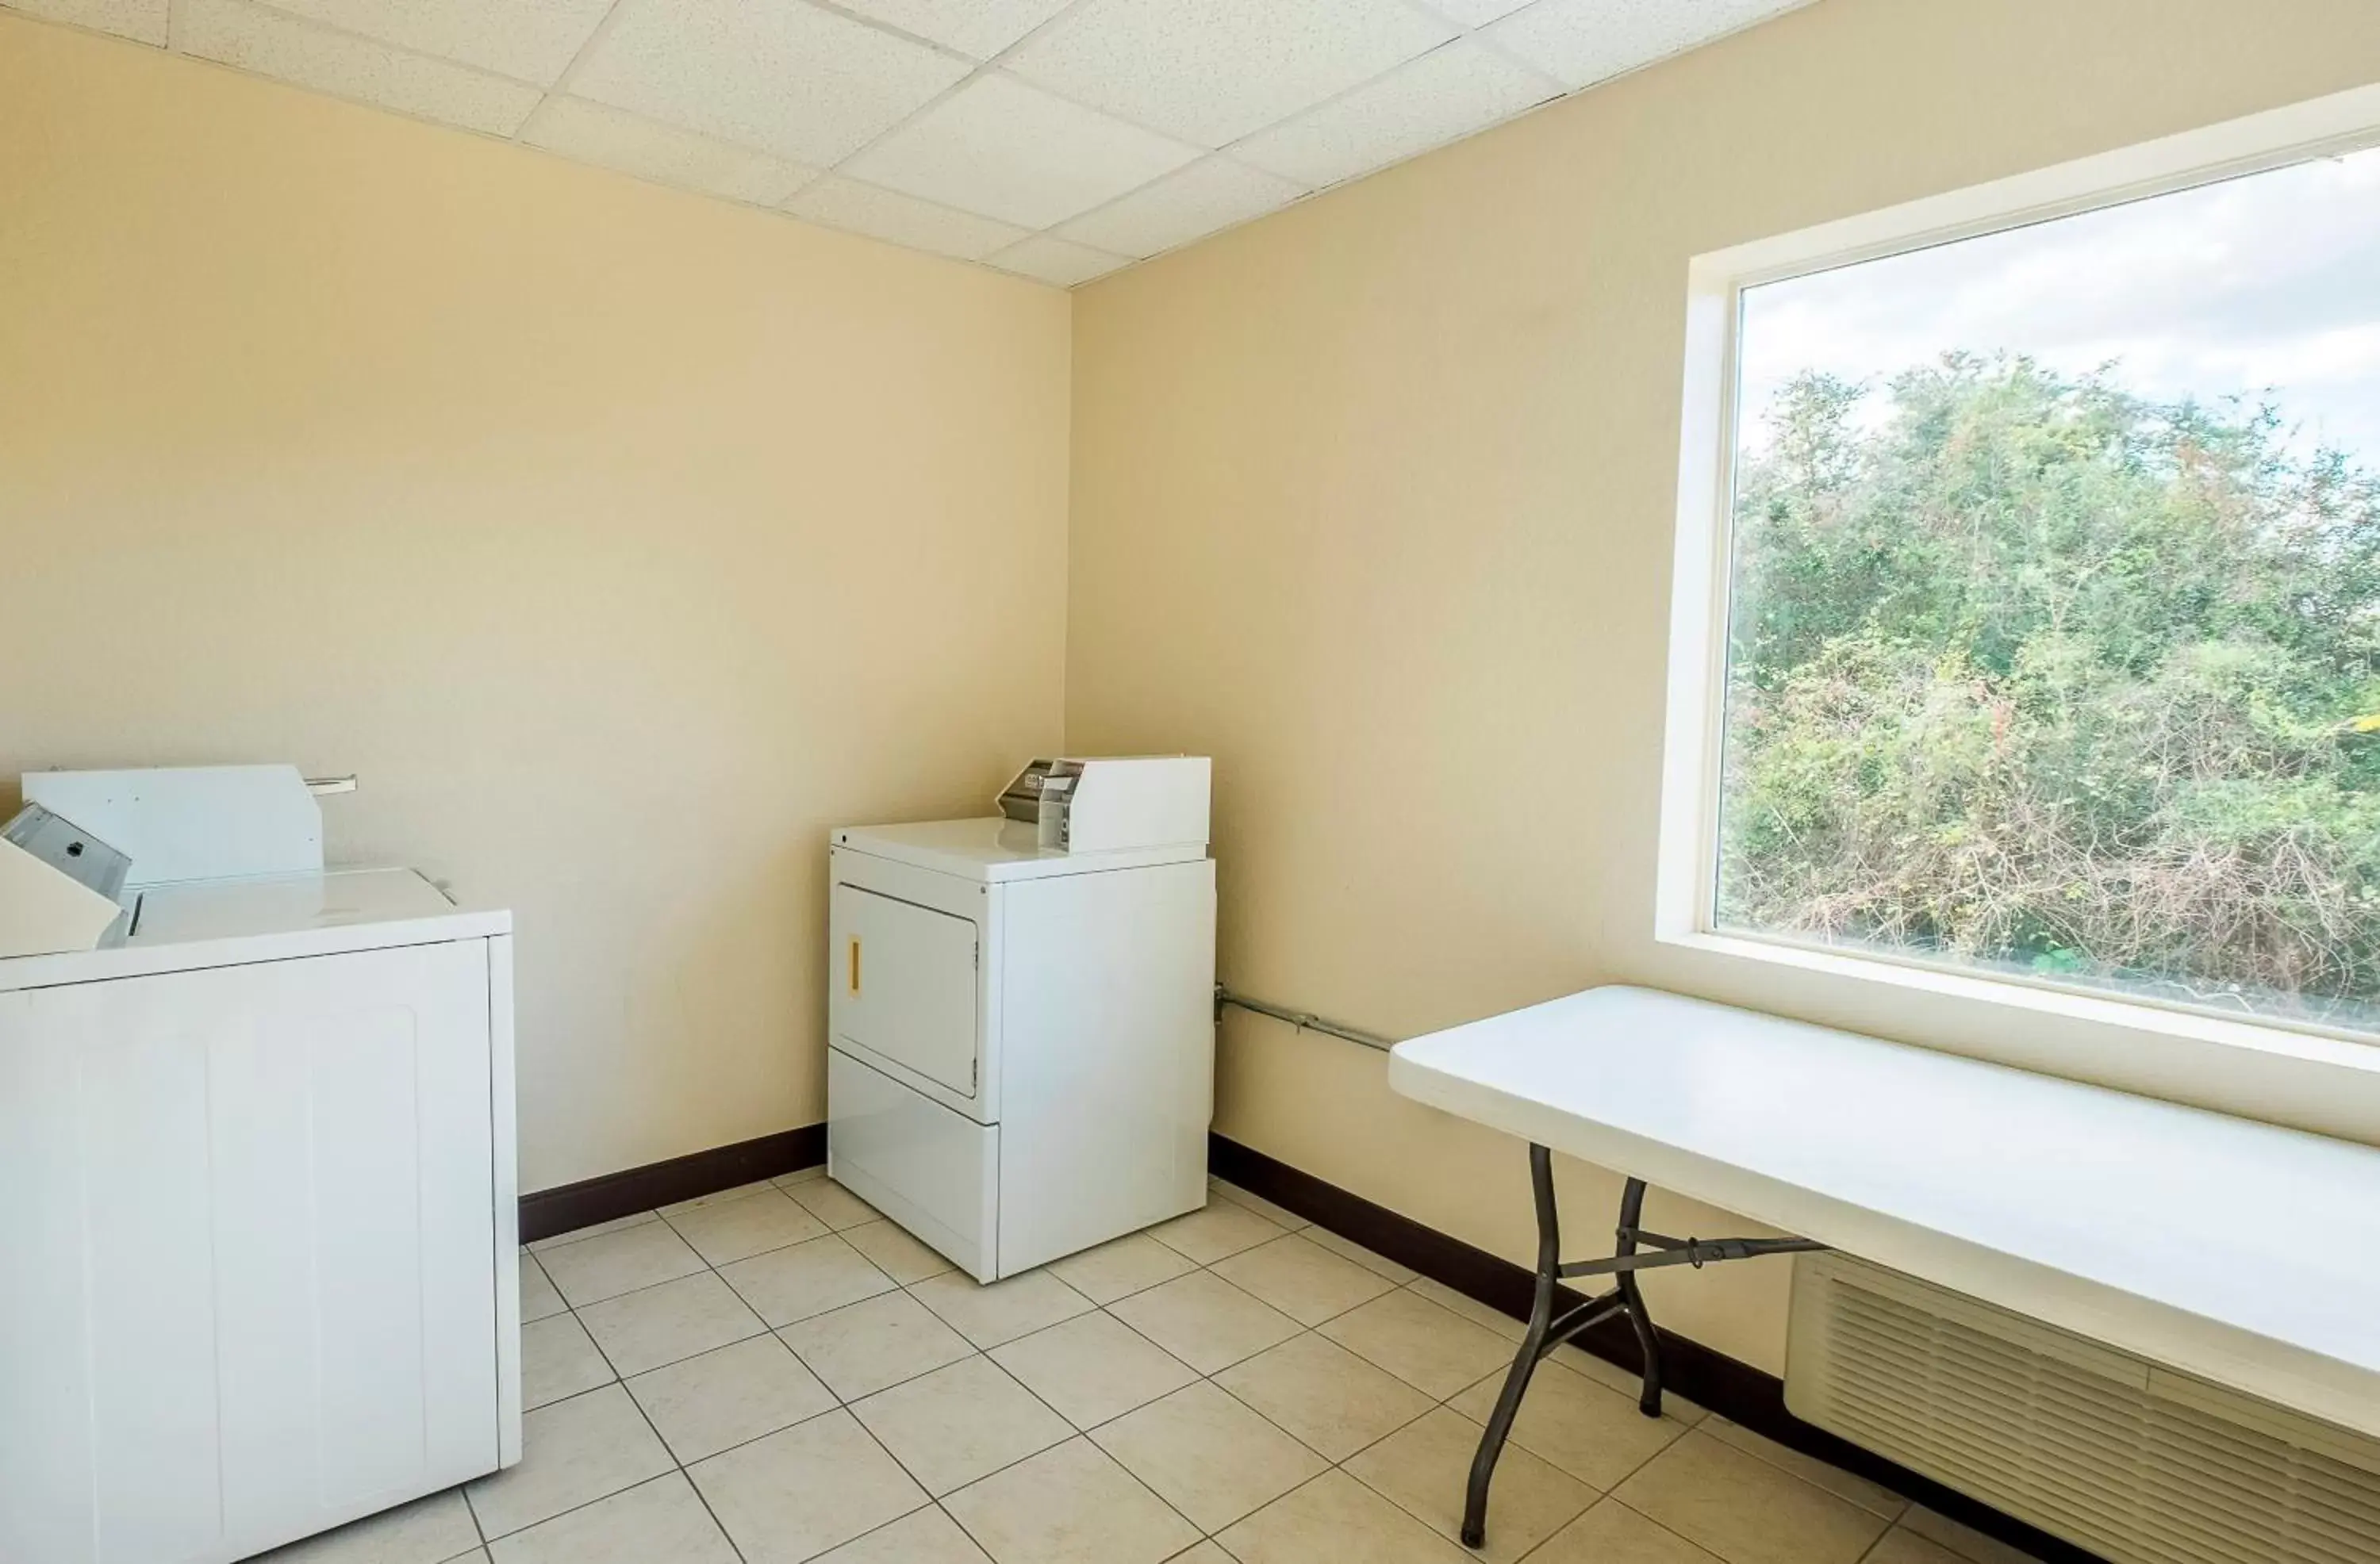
[903, 985]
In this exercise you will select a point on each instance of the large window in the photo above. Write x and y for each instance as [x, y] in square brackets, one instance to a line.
[2047, 638]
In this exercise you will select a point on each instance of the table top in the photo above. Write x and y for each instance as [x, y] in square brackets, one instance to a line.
[2243, 1253]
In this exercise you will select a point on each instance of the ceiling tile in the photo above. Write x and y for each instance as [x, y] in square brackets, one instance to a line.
[273, 44]
[903, 220]
[1211, 194]
[611, 138]
[1585, 41]
[1462, 88]
[1474, 12]
[779, 75]
[998, 147]
[144, 20]
[1054, 261]
[979, 28]
[1212, 71]
[529, 40]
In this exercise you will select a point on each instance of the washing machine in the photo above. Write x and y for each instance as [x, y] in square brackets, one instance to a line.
[258, 1146]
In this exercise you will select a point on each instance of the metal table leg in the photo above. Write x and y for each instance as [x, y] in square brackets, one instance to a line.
[1631, 1212]
[1634, 1249]
[1524, 1362]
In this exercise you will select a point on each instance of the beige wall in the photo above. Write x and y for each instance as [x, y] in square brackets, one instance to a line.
[623, 540]
[1373, 501]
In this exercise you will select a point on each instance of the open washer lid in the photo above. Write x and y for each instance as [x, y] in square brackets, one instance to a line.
[275, 917]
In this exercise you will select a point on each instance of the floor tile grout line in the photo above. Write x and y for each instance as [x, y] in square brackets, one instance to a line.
[1659, 1524]
[1073, 1435]
[1601, 1493]
[1075, 1432]
[878, 1441]
[635, 1219]
[936, 1500]
[1200, 1533]
[1892, 1519]
[578, 1313]
[1072, 1432]
[487, 1541]
[717, 1269]
[592, 1232]
[931, 1503]
[464, 1491]
[667, 1448]
[704, 1499]
[1094, 1306]
[1413, 1285]
[1304, 1329]
[622, 1379]
[1213, 1379]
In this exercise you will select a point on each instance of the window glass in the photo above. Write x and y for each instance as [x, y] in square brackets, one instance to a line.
[2054, 625]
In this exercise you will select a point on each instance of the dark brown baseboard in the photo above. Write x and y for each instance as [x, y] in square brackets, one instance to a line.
[631, 1190]
[1732, 1389]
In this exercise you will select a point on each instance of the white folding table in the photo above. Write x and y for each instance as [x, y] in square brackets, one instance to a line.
[2239, 1252]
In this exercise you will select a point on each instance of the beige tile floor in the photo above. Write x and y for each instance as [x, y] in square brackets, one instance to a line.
[776, 1374]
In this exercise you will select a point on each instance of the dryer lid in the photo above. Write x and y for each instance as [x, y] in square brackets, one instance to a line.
[996, 848]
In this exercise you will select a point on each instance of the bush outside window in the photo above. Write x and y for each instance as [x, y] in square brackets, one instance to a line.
[2052, 642]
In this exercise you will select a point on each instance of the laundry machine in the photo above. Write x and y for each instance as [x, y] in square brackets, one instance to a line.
[1021, 1025]
[257, 1146]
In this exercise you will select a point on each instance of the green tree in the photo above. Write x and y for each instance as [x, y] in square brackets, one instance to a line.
[2026, 670]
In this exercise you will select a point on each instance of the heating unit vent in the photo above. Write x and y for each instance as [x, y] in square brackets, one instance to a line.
[2138, 1463]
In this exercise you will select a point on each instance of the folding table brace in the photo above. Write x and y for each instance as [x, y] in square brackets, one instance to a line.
[1546, 1332]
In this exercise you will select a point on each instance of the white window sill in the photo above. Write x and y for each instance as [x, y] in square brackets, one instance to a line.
[2306, 1079]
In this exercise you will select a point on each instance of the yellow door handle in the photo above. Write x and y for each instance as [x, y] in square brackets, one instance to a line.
[855, 966]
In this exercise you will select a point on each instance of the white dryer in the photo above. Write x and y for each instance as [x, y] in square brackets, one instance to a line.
[1021, 1059]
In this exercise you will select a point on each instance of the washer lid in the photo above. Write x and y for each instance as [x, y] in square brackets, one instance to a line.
[232, 922]
[231, 909]
[996, 848]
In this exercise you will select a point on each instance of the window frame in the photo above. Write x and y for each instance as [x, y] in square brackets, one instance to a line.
[1687, 867]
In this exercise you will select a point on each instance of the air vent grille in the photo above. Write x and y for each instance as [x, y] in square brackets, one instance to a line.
[2135, 1463]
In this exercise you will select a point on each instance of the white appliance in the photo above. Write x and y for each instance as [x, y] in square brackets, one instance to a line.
[1021, 1059]
[260, 1276]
